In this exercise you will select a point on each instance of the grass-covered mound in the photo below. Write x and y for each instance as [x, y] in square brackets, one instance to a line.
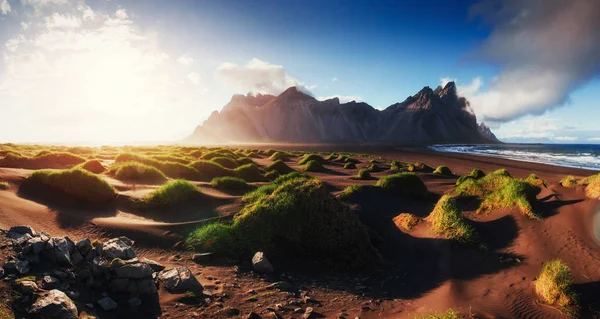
[300, 218]
[312, 157]
[553, 285]
[172, 168]
[443, 170]
[228, 183]
[406, 221]
[280, 166]
[313, 166]
[280, 156]
[354, 190]
[374, 168]
[405, 183]
[170, 158]
[244, 161]
[476, 173]
[208, 170]
[133, 172]
[270, 188]
[249, 173]
[349, 165]
[351, 160]
[363, 174]
[218, 153]
[171, 194]
[568, 182]
[75, 183]
[46, 159]
[419, 167]
[271, 175]
[396, 166]
[535, 180]
[448, 314]
[499, 190]
[592, 190]
[225, 162]
[447, 221]
[93, 166]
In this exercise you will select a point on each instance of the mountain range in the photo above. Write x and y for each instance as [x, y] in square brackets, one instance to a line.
[430, 116]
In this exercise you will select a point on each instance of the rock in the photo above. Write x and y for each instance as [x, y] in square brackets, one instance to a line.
[99, 266]
[53, 304]
[229, 312]
[73, 294]
[36, 245]
[135, 302]
[179, 280]
[49, 282]
[23, 267]
[76, 258]
[118, 248]
[309, 313]
[120, 284]
[22, 230]
[201, 258]
[153, 264]
[19, 239]
[136, 270]
[1, 272]
[107, 304]
[282, 286]
[252, 315]
[84, 246]
[84, 274]
[261, 263]
[27, 287]
[146, 286]
[57, 250]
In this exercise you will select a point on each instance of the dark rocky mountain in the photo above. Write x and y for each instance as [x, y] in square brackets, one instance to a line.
[430, 116]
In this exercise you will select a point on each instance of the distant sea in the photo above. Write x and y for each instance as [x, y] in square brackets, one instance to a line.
[570, 155]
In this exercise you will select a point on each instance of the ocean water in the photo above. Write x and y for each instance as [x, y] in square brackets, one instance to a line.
[570, 155]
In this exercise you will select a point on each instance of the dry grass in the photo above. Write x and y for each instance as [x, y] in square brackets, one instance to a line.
[553, 285]
[406, 221]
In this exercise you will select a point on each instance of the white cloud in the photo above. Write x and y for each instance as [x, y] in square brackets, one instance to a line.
[260, 77]
[87, 76]
[343, 98]
[546, 49]
[194, 77]
[185, 59]
[4, 7]
[57, 21]
[565, 138]
[334, 79]
[468, 90]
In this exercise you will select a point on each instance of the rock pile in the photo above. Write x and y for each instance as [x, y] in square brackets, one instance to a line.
[56, 266]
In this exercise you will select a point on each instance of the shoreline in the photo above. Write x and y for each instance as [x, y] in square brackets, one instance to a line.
[459, 163]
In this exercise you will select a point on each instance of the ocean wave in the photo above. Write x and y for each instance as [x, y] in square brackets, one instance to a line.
[583, 156]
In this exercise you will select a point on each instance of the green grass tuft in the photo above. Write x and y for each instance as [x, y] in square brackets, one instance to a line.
[229, 183]
[76, 183]
[363, 174]
[93, 166]
[449, 314]
[225, 162]
[447, 221]
[249, 173]
[406, 221]
[312, 157]
[405, 183]
[349, 165]
[353, 190]
[133, 172]
[208, 170]
[553, 285]
[280, 166]
[280, 156]
[215, 237]
[314, 166]
[171, 194]
[443, 170]
[474, 174]
[568, 181]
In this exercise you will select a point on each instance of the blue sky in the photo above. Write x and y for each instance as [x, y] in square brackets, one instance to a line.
[126, 70]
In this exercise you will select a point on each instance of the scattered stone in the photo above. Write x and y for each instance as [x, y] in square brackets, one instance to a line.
[261, 263]
[202, 258]
[22, 230]
[179, 280]
[230, 312]
[35, 245]
[136, 270]
[252, 315]
[107, 304]
[118, 248]
[53, 304]
[135, 302]
[1, 272]
[23, 267]
[73, 294]
[282, 286]
[155, 266]
[27, 287]
[49, 282]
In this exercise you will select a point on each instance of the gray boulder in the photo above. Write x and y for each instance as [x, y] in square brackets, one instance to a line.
[179, 280]
[261, 263]
[107, 304]
[53, 304]
[118, 248]
[22, 230]
[135, 270]
[23, 267]
[27, 287]
[153, 264]
[35, 245]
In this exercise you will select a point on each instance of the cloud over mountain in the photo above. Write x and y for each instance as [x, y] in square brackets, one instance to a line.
[545, 50]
